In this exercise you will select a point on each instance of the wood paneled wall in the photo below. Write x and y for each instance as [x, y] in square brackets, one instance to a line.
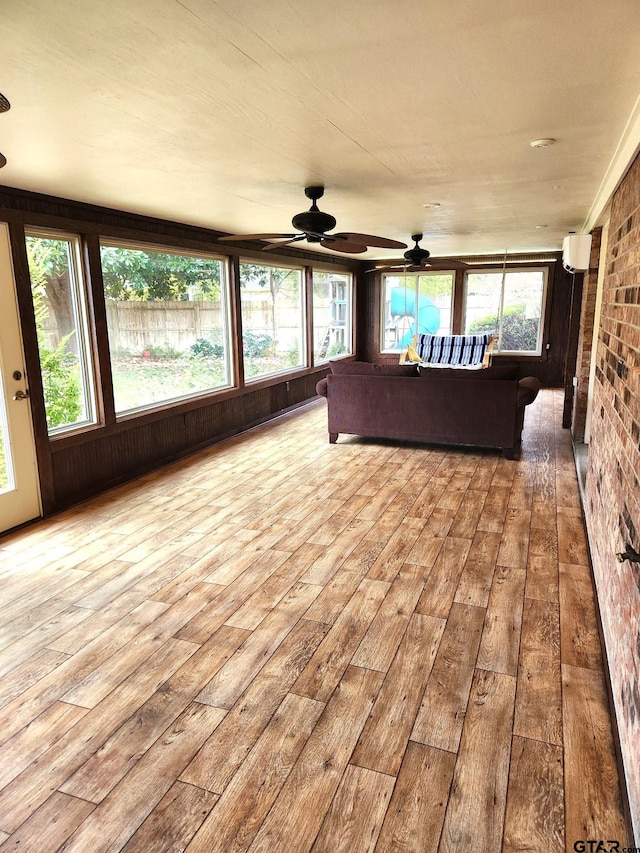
[75, 466]
[81, 469]
[549, 368]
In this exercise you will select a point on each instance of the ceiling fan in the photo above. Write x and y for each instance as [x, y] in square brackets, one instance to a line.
[417, 259]
[314, 225]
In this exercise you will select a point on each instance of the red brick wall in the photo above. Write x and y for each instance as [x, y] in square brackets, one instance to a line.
[612, 503]
[585, 339]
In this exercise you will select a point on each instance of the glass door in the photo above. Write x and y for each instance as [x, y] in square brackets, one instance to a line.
[19, 490]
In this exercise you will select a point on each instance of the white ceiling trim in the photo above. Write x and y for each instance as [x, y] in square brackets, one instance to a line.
[624, 155]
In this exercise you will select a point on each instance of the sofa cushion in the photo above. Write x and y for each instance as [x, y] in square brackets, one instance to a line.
[367, 368]
[496, 371]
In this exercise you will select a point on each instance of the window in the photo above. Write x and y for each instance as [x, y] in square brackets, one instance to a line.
[510, 305]
[273, 339]
[332, 335]
[415, 304]
[58, 292]
[167, 322]
[6, 467]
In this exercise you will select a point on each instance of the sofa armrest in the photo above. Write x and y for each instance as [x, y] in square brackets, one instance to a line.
[528, 390]
[321, 387]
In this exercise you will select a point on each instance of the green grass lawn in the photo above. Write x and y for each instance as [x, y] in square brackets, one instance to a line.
[144, 381]
[141, 382]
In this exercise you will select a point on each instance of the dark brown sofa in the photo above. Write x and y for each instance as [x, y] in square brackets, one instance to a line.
[440, 406]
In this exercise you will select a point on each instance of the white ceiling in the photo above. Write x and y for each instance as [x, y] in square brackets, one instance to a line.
[220, 112]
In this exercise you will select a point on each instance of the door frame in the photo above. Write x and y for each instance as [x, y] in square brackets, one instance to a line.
[32, 359]
[20, 436]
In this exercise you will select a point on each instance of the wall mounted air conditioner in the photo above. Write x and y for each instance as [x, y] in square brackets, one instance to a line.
[576, 249]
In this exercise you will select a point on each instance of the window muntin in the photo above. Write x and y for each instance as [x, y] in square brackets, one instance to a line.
[332, 315]
[273, 328]
[417, 303]
[59, 302]
[167, 322]
[513, 309]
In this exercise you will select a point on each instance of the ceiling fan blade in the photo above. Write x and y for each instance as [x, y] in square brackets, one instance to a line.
[340, 245]
[282, 243]
[370, 240]
[387, 269]
[399, 268]
[443, 264]
[385, 264]
[255, 237]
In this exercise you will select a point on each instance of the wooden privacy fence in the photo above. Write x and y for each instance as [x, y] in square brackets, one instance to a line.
[135, 326]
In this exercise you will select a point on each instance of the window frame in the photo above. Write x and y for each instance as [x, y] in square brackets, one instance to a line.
[104, 240]
[545, 269]
[84, 321]
[415, 275]
[301, 269]
[350, 308]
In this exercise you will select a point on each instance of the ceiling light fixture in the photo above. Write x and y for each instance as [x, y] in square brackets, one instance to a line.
[545, 142]
[432, 204]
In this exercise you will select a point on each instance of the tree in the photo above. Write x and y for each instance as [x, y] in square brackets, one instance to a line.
[58, 364]
[148, 275]
[50, 265]
[272, 277]
[267, 276]
[428, 284]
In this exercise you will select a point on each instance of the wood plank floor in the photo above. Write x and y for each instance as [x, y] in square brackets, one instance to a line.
[284, 645]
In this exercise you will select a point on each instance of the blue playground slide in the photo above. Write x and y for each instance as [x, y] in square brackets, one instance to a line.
[403, 304]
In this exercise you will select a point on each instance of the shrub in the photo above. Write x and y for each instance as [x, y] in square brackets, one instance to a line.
[59, 368]
[336, 349]
[255, 345]
[518, 332]
[293, 354]
[165, 351]
[61, 384]
[203, 348]
[122, 352]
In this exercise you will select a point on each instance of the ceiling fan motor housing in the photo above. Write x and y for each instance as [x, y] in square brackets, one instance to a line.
[314, 225]
[314, 221]
[417, 256]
